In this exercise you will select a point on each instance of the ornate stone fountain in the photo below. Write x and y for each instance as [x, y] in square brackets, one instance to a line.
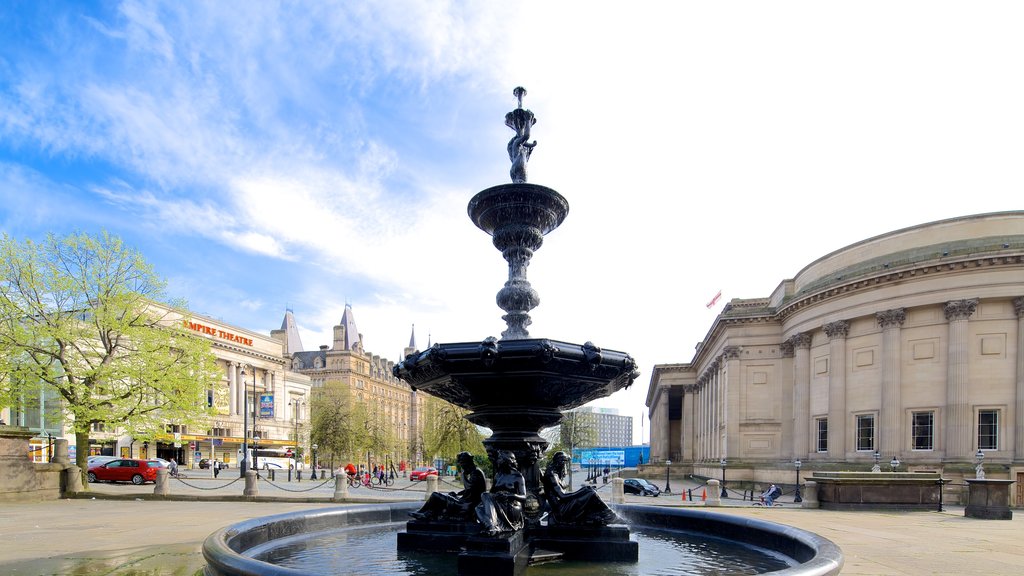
[517, 386]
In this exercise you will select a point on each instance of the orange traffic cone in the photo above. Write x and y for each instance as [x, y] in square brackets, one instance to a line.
[704, 495]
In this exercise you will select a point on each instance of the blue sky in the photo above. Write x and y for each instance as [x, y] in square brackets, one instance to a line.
[266, 155]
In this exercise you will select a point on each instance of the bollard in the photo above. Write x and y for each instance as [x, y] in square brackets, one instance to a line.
[618, 492]
[714, 493]
[689, 494]
[340, 488]
[72, 479]
[272, 474]
[251, 486]
[162, 486]
[810, 495]
[60, 452]
[431, 486]
[289, 474]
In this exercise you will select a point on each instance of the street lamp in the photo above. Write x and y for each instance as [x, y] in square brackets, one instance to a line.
[723, 463]
[797, 498]
[255, 449]
[313, 475]
[895, 463]
[295, 413]
[244, 460]
[668, 489]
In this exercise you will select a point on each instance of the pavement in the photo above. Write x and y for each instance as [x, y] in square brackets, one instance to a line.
[124, 530]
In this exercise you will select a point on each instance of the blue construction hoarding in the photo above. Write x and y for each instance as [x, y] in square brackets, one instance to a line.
[621, 457]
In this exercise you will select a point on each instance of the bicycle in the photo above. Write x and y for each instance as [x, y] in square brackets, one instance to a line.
[177, 473]
[354, 481]
[387, 480]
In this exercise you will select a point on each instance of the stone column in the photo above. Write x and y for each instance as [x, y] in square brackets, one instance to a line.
[664, 424]
[730, 424]
[837, 332]
[1018, 420]
[699, 395]
[232, 388]
[958, 422]
[801, 394]
[687, 425]
[890, 409]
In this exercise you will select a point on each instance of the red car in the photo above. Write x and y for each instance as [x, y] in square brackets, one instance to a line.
[422, 472]
[134, 470]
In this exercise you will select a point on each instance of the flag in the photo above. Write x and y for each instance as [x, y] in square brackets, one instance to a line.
[715, 299]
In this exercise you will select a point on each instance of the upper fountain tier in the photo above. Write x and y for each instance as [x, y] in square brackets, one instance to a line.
[518, 382]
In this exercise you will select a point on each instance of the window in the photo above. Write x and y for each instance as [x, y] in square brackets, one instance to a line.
[988, 429]
[922, 427]
[866, 432]
[822, 434]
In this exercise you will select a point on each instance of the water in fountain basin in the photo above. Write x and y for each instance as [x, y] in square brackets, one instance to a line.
[372, 551]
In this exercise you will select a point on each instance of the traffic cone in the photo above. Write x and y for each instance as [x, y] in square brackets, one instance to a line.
[704, 495]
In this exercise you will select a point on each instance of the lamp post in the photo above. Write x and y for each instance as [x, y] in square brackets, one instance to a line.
[796, 497]
[895, 463]
[313, 475]
[255, 449]
[244, 460]
[668, 489]
[295, 413]
[723, 463]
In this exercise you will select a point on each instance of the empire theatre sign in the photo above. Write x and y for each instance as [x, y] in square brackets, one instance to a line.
[217, 333]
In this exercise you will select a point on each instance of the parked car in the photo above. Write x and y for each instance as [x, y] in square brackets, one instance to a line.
[422, 472]
[96, 460]
[640, 486]
[134, 470]
[205, 464]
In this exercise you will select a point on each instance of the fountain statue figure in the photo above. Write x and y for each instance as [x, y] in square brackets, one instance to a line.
[520, 147]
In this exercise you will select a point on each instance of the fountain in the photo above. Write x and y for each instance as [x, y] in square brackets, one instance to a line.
[516, 386]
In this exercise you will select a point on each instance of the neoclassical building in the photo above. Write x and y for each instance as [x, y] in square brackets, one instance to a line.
[910, 344]
[367, 376]
[257, 393]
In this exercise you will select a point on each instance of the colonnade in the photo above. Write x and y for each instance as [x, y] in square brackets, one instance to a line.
[238, 388]
[709, 404]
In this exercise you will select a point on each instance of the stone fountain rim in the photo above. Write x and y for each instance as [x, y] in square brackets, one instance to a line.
[222, 549]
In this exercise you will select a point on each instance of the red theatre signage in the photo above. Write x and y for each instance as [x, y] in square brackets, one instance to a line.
[217, 332]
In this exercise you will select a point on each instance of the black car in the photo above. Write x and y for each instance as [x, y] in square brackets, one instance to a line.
[640, 486]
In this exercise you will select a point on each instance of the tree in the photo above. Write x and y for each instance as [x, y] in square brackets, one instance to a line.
[338, 425]
[81, 315]
[446, 432]
[576, 431]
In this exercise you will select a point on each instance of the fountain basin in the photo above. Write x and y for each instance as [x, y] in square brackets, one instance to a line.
[225, 550]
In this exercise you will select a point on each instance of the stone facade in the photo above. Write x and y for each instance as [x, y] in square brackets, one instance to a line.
[236, 349]
[368, 377]
[910, 344]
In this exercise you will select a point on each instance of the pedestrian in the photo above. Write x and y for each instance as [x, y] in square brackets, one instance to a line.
[173, 467]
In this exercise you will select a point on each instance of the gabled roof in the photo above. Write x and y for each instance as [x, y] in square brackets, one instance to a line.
[293, 343]
[351, 332]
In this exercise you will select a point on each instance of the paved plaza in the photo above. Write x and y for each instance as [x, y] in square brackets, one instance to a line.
[121, 530]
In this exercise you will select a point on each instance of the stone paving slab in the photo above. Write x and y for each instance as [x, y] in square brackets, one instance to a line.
[135, 535]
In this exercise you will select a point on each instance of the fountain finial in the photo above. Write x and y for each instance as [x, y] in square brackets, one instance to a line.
[519, 147]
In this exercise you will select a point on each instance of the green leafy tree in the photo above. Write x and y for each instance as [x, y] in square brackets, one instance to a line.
[446, 432]
[576, 431]
[338, 424]
[80, 315]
